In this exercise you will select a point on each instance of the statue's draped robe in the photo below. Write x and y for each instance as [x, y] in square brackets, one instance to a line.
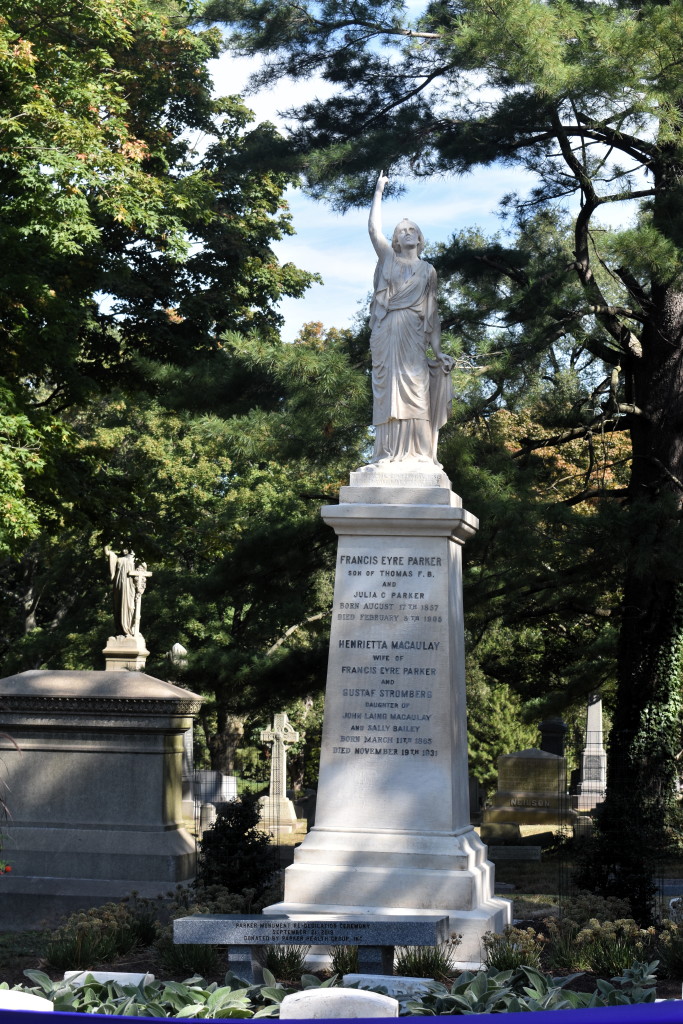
[411, 394]
[124, 596]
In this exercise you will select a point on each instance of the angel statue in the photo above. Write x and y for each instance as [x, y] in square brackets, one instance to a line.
[129, 581]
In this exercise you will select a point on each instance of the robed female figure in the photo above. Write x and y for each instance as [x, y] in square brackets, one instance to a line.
[411, 393]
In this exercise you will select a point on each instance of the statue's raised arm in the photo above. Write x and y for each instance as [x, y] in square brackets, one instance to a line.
[380, 244]
[411, 393]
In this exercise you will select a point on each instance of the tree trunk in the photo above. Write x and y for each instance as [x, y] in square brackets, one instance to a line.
[645, 738]
[224, 743]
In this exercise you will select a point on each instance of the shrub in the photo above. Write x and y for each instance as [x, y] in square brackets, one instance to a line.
[527, 989]
[670, 950]
[560, 952]
[193, 998]
[515, 947]
[610, 947]
[344, 960]
[187, 959]
[233, 852]
[93, 937]
[585, 906]
[191, 958]
[524, 989]
[144, 918]
[426, 961]
[285, 963]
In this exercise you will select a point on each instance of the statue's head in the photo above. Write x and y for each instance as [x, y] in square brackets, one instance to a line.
[400, 229]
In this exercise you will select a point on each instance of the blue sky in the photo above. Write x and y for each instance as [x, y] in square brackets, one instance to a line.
[337, 246]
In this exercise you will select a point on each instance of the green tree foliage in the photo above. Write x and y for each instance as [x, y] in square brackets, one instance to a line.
[587, 99]
[145, 396]
[494, 724]
[224, 508]
[120, 177]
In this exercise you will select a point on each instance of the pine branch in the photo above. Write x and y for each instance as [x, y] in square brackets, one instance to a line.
[621, 334]
[618, 311]
[515, 275]
[292, 629]
[595, 492]
[409, 95]
[609, 426]
[635, 289]
[334, 26]
[637, 148]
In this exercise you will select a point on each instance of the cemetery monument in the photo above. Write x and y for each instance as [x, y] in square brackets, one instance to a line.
[593, 784]
[532, 790]
[126, 649]
[276, 810]
[94, 780]
[393, 834]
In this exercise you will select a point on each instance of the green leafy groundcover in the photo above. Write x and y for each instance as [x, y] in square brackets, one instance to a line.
[522, 989]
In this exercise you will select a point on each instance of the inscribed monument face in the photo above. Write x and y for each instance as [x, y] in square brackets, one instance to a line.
[391, 654]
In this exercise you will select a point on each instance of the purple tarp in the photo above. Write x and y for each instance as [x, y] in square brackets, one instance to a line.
[669, 1012]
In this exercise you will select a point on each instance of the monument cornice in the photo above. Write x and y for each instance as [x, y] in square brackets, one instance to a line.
[417, 520]
[14, 703]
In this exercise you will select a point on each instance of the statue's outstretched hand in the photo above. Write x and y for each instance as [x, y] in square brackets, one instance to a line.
[381, 182]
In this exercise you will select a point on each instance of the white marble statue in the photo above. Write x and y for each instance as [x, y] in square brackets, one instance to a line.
[411, 393]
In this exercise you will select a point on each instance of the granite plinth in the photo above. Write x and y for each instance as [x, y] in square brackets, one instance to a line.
[507, 853]
[246, 935]
[125, 653]
[277, 814]
[43, 902]
[501, 833]
[520, 809]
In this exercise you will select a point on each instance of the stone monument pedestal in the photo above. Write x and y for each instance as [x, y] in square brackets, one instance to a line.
[392, 833]
[277, 814]
[125, 653]
[94, 790]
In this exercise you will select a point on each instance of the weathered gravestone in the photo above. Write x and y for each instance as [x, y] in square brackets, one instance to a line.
[532, 790]
[335, 1003]
[276, 811]
[553, 735]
